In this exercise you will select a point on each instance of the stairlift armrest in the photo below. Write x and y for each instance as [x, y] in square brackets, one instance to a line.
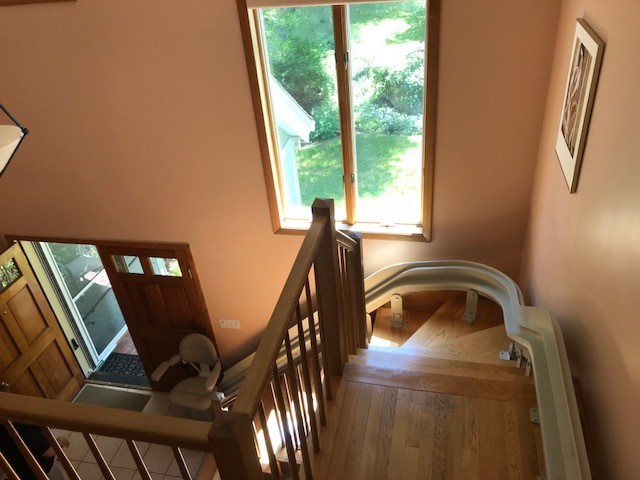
[163, 367]
[212, 379]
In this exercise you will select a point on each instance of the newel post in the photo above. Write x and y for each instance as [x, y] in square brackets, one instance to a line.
[328, 288]
[356, 270]
[233, 447]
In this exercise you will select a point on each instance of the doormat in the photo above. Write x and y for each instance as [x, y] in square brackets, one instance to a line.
[123, 369]
[112, 398]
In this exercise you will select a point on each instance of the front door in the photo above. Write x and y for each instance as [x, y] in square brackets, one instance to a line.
[35, 358]
[161, 301]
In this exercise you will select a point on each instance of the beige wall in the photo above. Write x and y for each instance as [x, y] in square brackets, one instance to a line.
[583, 255]
[142, 129]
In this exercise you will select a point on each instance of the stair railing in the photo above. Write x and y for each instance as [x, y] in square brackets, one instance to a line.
[176, 433]
[318, 320]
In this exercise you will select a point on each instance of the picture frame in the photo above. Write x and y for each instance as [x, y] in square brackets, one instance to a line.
[579, 92]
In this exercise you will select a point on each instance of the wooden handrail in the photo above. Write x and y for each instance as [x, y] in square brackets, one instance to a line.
[346, 241]
[77, 417]
[259, 373]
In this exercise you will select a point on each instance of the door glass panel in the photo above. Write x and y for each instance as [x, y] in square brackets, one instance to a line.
[128, 264]
[9, 273]
[168, 267]
[387, 64]
[300, 54]
[82, 274]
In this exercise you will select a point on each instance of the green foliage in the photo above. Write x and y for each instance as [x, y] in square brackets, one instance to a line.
[372, 118]
[401, 89]
[320, 166]
[327, 121]
[299, 42]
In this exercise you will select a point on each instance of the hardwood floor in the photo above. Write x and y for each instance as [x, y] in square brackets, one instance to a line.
[442, 406]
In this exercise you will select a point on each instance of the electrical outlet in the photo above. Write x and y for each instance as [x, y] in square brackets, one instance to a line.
[235, 324]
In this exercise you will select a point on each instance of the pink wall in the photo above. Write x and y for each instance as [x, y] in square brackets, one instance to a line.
[583, 250]
[142, 129]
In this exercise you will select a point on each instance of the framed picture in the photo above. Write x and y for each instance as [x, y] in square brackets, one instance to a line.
[582, 78]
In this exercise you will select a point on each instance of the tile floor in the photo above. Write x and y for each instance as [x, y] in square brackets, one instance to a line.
[158, 458]
[125, 345]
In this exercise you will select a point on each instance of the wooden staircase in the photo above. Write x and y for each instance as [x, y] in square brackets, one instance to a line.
[440, 406]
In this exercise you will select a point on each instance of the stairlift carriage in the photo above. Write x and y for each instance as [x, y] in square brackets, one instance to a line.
[199, 392]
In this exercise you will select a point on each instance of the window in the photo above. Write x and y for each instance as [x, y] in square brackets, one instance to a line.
[345, 107]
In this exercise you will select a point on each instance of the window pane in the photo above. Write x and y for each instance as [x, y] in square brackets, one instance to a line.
[128, 264]
[387, 64]
[302, 77]
[168, 267]
[90, 290]
[9, 273]
[78, 264]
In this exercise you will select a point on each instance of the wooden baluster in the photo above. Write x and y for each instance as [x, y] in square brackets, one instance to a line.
[290, 415]
[273, 463]
[291, 454]
[306, 461]
[135, 453]
[62, 456]
[301, 399]
[315, 357]
[8, 470]
[328, 288]
[182, 465]
[306, 377]
[323, 344]
[355, 263]
[24, 450]
[280, 422]
[97, 454]
[350, 278]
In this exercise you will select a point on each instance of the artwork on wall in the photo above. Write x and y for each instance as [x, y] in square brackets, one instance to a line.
[582, 78]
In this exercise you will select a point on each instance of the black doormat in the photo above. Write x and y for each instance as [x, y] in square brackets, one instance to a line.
[123, 369]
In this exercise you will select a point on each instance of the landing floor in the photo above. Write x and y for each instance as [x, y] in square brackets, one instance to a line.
[382, 432]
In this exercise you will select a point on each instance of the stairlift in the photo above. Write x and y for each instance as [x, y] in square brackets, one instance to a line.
[199, 392]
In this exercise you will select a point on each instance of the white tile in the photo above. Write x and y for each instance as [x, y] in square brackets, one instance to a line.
[78, 447]
[123, 457]
[158, 458]
[89, 471]
[60, 433]
[193, 460]
[122, 473]
[108, 446]
[154, 476]
[171, 477]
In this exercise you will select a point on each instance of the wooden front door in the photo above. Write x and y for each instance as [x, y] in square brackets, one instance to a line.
[35, 358]
[160, 299]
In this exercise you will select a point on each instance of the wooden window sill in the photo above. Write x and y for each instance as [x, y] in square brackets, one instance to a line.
[369, 230]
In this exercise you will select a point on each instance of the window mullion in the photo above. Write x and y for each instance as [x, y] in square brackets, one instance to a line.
[341, 37]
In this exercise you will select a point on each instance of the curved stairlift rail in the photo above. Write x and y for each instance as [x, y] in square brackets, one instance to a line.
[532, 327]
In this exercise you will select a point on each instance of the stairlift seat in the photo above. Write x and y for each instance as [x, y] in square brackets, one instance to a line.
[191, 393]
[198, 392]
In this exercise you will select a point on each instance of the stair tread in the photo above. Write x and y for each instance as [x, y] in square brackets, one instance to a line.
[385, 359]
[440, 383]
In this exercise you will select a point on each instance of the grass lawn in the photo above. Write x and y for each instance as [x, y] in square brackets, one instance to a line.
[388, 166]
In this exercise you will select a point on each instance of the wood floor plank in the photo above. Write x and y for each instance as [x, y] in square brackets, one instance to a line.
[426, 420]
[437, 329]
[399, 435]
[343, 433]
[383, 447]
[527, 442]
[512, 442]
[360, 421]
[440, 383]
[410, 463]
[491, 439]
[367, 459]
